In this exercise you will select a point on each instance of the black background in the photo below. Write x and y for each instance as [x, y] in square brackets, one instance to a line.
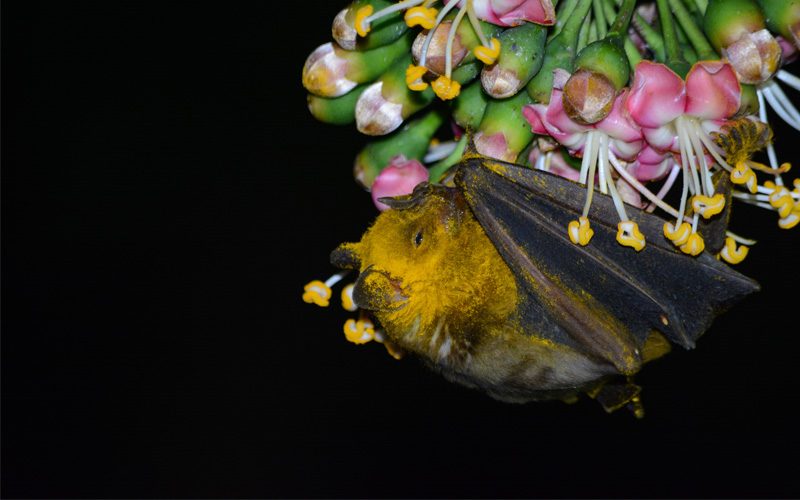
[166, 195]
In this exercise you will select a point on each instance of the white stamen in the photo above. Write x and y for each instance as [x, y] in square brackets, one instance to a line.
[448, 57]
[439, 151]
[740, 239]
[773, 100]
[611, 187]
[336, 278]
[447, 8]
[473, 19]
[640, 187]
[391, 9]
[673, 174]
[762, 115]
[788, 78]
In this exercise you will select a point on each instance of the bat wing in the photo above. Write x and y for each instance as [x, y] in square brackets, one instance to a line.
[602, 299]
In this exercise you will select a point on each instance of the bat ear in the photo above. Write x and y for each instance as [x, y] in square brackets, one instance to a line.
[346, 256]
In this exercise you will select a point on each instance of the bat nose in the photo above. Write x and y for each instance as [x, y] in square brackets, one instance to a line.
[376, 291]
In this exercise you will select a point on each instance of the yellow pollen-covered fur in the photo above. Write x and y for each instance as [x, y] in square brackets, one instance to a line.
[420, 253]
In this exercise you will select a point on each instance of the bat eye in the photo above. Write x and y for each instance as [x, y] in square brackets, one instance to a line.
[418, 238]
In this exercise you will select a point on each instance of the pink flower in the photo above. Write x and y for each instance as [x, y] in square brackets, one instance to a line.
[624, 135]
[399, 178]
[664, 105]
[512, 12]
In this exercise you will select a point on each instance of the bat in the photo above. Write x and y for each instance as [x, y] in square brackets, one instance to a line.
[481, 281]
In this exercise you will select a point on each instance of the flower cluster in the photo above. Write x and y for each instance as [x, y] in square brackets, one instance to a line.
[623, 96]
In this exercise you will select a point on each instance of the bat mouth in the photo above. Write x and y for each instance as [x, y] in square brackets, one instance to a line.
[376, 290]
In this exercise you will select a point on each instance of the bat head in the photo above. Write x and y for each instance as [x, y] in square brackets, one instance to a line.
[427, 259]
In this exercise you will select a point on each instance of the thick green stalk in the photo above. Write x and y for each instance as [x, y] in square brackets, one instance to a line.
[696, 36]
[559, 53]
[653, 38]
[630, 49]
[600, 16]
[673, 53]
[563, 13]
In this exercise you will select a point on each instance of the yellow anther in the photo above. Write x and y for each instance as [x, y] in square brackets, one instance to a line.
[706, 206]
[679, 235]
[414, 77]
[446, 88]
[359, 332]
[488, 55]
[790, 220]
[579, 231]
[780, 199]
[421, 16]
[629, 235]
[317, 292]
[731, 254]
[361, 15]
[694, 245]
[347, 298]
[743, 174]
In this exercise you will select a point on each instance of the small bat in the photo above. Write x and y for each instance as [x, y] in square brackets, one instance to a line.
[483, 283]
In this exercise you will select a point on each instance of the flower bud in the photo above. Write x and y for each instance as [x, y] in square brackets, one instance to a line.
[399, 178]
[737, 30]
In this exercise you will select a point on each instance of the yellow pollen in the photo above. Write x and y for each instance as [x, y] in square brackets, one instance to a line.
[743, 174]
[414, 77]
[780, 199]
[421, 16]
[347, 298]
[694, 245]
[731, 254]
[359, 332]
[579, 231]
[488, 55]
[317, 292]
[629, 235]
[679, 235]
[361, 15]
[790, 220]
[446, 88]
[708, 207]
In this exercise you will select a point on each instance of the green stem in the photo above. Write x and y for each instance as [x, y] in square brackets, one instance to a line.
[701, 5]
[599, 14]
[630, 49]
[674, 56]
[583, 36]
[651, 36]
[563, 13]
[695, 34]
[619, 29]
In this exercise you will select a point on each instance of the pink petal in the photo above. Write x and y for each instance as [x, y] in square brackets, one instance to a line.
[399, 178]
[493, 146]
[650, 165]
[625, 133]
[535, 113]
[657, 95]
[712, 90]
[662, 139]
[535, 11]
